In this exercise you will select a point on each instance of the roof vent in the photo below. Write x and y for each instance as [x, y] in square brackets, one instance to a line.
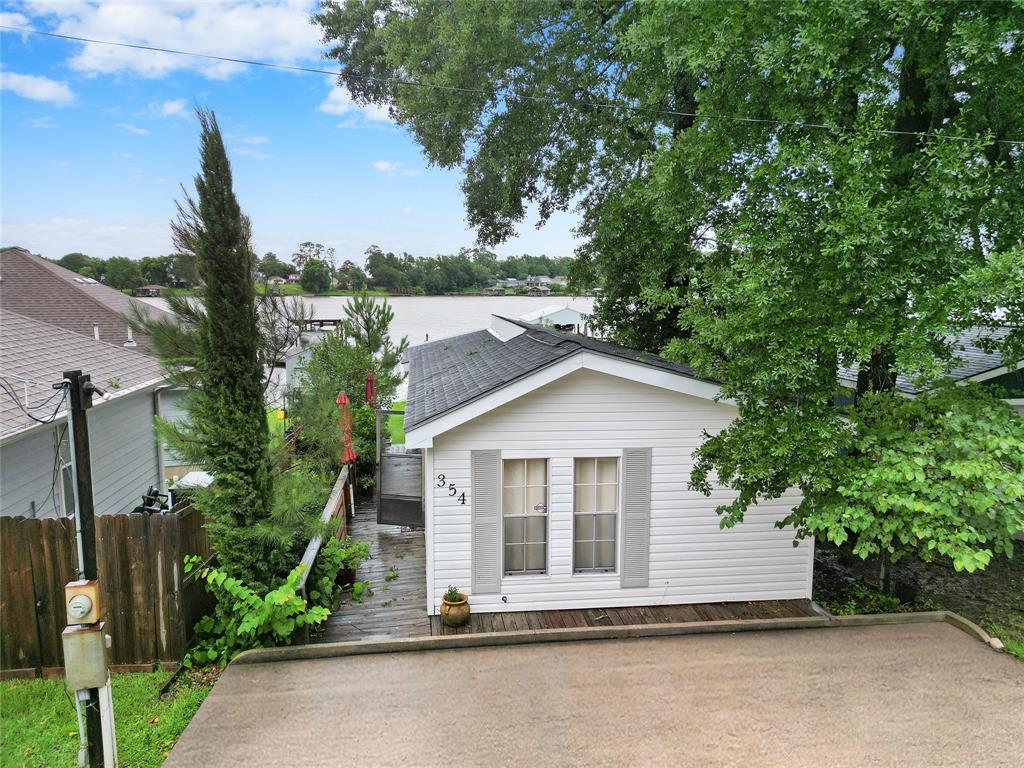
[96, 331]
[505, 329]
[131, 341]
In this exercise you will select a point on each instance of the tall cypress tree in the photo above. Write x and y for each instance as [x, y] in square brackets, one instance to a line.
[227, 414]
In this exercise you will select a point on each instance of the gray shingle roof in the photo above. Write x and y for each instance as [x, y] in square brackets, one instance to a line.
[34, 287]
[973, 360]
[34, 354]
[446, 374]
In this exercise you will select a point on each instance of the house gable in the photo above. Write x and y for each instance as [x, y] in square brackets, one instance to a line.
[423, 434]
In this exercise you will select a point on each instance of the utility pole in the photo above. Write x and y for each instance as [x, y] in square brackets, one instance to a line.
[80, 391]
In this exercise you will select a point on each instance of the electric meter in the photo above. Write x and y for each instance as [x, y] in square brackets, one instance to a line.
[79, 607]
[82, 602]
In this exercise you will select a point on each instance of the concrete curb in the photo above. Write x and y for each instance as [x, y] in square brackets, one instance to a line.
[577, 634]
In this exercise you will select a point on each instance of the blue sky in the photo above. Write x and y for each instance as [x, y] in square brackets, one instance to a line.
[95, 141]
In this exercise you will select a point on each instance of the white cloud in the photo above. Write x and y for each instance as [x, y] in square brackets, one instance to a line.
[43, 122]
[251, 152]
[407, 210]
[340, 102]
[393, 168]
[172, 108]
[255, 140]
[36, 87]
[279, 32]
[112, 237]
[133, 129]
[8, 19]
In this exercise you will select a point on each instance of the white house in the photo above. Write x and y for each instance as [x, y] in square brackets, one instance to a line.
[563, 317]
[556, 472]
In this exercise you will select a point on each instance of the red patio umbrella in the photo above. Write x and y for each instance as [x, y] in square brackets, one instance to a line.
[348, 452]
[371, 389]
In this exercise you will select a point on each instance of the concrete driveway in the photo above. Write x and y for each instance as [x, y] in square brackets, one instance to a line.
[906, 695]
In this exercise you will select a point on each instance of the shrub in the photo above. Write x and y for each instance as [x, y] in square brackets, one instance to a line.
[243, 619]
[335, 556]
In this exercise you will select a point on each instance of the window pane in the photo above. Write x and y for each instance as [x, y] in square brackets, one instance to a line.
[584, 471]
[584, 498]
[605, 528]
[513, 557]
[536, 529]
[68, 490]
[514, 472]
[514, 530]
[536, 556]
[537, 472]
[535, 496]
[607, 498]
[512, 501]
[605, 554]
[584, 528]
[584, 556]
[607, 470]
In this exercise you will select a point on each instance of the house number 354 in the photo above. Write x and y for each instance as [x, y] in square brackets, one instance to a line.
[442, 482]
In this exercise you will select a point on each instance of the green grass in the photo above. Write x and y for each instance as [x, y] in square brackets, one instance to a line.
[288, 289]
[38, 725]
[397, 424]
[342, 292]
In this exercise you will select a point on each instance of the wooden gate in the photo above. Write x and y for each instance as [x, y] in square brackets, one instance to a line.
[400, 489]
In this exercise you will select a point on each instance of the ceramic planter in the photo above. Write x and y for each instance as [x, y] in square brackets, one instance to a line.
[455, 614]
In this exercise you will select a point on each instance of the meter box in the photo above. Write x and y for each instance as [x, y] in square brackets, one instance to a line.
[82, 601]
[85, 656]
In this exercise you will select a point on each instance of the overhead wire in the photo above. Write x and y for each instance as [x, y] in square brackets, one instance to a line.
[17, 401]
[494, 94]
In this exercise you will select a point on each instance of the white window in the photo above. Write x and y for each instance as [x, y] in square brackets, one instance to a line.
[524, 506]
[65, 479]
[595, 514]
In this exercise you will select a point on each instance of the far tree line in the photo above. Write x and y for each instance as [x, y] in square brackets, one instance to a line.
[315, 267]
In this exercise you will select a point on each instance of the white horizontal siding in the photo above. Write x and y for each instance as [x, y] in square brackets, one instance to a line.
[26, 475]
[586, 413]
[124, 453]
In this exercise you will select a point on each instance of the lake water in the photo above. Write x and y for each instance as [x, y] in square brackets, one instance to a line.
[439, 316]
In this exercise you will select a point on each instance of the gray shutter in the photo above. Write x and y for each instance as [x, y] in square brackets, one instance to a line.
[636, 517]
[485, 502]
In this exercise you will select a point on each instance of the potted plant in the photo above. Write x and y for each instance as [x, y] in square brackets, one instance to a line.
[454, 607]
[352, 554]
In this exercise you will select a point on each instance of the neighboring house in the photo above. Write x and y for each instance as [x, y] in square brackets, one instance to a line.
[538, 290]
[36, 478]
[974, 364]
[498, 289]
[293, 279]
[556, 472]
[560, 317]
[512, 282]
[149, 291]
[34, 287]
[544, 280]
[276, 281]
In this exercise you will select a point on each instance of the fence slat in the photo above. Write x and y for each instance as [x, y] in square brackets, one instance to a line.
[19, 648]
[148, 610]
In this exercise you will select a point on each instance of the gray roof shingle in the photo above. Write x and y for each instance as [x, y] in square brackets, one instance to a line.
[34, 287]
[33, 355]
[973, 360]
[446, 374]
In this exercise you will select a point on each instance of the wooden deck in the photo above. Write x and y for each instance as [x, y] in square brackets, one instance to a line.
[397, 608]
[610, 617]
[396, 571]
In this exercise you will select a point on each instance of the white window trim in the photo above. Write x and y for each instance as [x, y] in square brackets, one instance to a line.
[517, 576]
[592, 574]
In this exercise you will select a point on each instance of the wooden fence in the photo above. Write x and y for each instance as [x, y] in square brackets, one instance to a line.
[148, 604]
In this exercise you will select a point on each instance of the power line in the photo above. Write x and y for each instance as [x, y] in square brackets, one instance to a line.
[493, 94]
[17, 401]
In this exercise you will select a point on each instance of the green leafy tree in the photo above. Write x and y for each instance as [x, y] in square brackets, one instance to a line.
[226, 411]
[937, 475]
[156, 270]
[75, 261]
[351, 276]
[812, 184]
[183, 267]
[271, 266]
[309, 251]
[121, 272]
[315, 277]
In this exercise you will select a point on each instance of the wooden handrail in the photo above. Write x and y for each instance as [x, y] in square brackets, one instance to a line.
[335, 502]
